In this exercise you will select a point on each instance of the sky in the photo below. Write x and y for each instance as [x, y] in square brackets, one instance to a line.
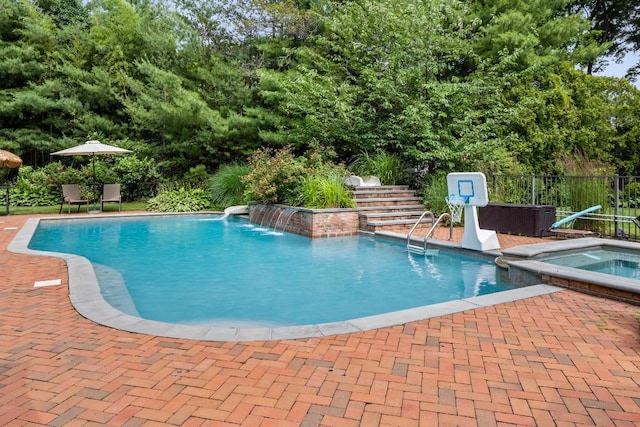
[619, 70]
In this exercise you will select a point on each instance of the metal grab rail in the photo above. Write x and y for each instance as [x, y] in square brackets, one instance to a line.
[433, 218]
[444, 215]
[434, 223]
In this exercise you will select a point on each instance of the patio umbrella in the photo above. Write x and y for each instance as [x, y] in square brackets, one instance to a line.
[91, 148]
[9, 160]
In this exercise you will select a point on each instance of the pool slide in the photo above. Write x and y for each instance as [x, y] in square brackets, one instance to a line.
[574, 216]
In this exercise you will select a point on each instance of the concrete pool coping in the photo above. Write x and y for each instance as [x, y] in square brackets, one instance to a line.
[85, 296]
[527, 262]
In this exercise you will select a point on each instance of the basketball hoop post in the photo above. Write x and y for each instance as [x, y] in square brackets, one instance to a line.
[471, 187]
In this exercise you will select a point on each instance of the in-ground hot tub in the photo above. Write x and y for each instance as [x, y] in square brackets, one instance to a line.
[604, 267]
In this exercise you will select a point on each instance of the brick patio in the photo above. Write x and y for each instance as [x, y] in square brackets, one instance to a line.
[564, 359]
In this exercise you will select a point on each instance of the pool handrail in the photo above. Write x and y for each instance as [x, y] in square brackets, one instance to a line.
[434, 223]
[574, 216]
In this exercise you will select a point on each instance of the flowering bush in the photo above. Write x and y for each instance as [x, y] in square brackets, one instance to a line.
[312, 180]
[272, 175]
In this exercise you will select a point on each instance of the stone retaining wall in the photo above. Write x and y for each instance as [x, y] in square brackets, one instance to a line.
[306, 222]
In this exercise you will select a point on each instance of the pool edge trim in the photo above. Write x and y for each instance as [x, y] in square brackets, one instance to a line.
[531, 259]
[85, 297]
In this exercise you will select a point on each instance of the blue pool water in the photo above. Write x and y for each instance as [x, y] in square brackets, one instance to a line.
[604, 261]
[201, 270]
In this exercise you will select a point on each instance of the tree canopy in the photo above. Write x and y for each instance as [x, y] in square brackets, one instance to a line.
[500, 86]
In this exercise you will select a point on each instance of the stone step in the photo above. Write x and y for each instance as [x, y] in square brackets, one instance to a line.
[375, 201]
[397, 226]
[403, 214]
[372, 219]
[403, 222]
[390, 208]
[380, 188]
[383, 194]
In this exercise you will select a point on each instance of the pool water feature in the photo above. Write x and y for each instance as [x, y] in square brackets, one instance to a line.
[202, 271]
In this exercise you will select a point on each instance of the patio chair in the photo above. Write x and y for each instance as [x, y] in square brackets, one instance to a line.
[71, 195]
[111, 193]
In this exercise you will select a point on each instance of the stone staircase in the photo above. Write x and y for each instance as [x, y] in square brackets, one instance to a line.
[389, 208]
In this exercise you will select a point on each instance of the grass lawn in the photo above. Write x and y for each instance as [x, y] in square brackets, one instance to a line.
[44, 210]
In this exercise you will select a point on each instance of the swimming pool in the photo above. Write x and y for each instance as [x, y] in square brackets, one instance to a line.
[381, 290]
[195, 270]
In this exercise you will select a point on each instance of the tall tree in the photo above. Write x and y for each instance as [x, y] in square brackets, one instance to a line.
[366, 81]
[527, 51]
[616, 23]
[34, 104]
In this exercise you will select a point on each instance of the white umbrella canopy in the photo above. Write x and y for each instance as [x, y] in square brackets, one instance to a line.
[91, 148]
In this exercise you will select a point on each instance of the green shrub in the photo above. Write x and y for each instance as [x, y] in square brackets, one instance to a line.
[272, 176]
[385, 166]
[42, 187]
[180, 200]
[138, 177]
[318, 191]
[197, 177]
[312, 180]
[434, 193]
[227, 186]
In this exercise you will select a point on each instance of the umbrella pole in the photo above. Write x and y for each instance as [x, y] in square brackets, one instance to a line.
[94, 194]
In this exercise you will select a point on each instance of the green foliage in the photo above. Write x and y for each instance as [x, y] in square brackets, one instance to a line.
[196, 176]
[138, 177]
[180, 200]
[632, 192]
[227, 186]
[434, 193]
[319, 191]
[272, 176]
[616, 24]
[361, 84]
[385, 166]
[450, 85]
[42, 187]
[584, 193]
[312, 180]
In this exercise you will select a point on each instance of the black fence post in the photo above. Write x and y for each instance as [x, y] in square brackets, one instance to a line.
[616, 203]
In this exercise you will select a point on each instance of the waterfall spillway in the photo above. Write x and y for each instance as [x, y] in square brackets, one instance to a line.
[284, 218]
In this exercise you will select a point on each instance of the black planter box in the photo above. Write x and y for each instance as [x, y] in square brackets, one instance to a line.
[526, 220]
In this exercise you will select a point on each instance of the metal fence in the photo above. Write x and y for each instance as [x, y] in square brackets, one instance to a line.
[619, 197]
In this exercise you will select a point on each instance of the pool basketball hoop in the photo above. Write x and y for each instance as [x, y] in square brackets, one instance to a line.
[456, 205]
[467, 192]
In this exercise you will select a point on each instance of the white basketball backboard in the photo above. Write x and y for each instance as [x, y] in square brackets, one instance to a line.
[471, 186]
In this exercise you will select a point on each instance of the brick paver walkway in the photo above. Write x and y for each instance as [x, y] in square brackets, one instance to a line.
[564, 359]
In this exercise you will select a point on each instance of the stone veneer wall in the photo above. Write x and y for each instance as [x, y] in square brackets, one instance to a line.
[594, 289]
[306, 222]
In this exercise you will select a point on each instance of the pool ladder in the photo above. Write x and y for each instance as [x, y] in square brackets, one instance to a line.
[422, 250]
